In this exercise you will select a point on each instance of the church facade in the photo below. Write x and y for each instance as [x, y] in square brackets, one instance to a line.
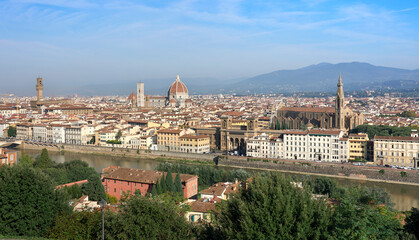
[339, 117]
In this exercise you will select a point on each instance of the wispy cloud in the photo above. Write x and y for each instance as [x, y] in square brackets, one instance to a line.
[59, 3]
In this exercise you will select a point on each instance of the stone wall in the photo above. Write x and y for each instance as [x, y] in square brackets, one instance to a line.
[343, 170]
[117, 151]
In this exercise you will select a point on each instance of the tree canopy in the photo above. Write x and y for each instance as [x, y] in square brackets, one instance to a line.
[28, 201]
[272, 208]
[43, 160]
[12, 132]
[382, 130]
[147, 218]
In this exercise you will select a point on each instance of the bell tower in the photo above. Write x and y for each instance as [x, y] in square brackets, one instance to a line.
[340, 105]
[39, 89]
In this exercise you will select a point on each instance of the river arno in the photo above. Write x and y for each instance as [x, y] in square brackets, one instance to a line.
[404, 196]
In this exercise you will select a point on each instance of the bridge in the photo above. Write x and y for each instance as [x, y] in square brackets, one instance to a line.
[10, 143]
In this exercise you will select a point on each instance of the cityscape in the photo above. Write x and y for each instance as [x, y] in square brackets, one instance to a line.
[202, 137]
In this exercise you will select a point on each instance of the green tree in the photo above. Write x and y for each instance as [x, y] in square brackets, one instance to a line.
[26, 159]
[59, 175]
[159, 189]
[28, 201]
[78, 170]
[365, 213]
[163, 185]
[178, 185]
[118, 134]
[112, 200]
[169, 182]
[77, 225]
[271, 208]
[74, 191]
[323, 185]
[94, 188]
[412, 222]
[43, 161]
[11, 132]
[147, 218]
[409, 114]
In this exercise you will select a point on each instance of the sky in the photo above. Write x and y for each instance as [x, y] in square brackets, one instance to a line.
[84, 41]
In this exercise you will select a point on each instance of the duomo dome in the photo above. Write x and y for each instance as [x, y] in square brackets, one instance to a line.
[177, 87]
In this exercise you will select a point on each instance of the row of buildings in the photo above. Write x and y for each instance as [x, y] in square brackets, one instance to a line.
[334, 146]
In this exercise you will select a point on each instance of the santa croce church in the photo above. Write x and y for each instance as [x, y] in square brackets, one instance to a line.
[339, 116]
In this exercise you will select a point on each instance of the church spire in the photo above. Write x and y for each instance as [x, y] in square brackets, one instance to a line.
[340, 105]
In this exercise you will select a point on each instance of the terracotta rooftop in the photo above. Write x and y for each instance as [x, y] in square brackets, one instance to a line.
[309, 109]
[194, 136]
[176, 131]
[325, 131]
[396, 138]
[200, 206]
[140, 175]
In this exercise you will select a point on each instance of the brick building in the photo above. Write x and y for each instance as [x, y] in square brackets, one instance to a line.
[118, 180]
[8, 157]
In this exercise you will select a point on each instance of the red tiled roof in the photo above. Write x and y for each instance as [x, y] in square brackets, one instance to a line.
[396, 138]
[141, 175]
[309, 109]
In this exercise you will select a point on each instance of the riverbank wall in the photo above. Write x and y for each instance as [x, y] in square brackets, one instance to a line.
[339, 170]
[292, 166]
[122, 152]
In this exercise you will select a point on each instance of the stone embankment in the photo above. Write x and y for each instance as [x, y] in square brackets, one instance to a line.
[337, 170]
[123, 152]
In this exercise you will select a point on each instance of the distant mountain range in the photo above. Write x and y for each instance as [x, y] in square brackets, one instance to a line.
[321, 77]
[324, 77]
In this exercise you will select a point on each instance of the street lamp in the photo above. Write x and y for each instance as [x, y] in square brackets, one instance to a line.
[102, 204]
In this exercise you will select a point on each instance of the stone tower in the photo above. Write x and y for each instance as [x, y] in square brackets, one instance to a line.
[39, 89]
[140, 94]
[340, 105]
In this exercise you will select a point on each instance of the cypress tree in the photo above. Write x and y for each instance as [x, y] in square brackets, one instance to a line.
[154, 190]
[178, 185]
[169, 182]
[43, 161]
[158, 187]
[163, 184]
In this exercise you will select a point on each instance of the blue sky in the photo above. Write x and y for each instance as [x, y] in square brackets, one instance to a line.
[82, 41]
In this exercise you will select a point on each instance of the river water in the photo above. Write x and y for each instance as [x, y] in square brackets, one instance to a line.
[404, 196]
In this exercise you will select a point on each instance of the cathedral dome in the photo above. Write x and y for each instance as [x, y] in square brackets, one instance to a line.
[177, 87]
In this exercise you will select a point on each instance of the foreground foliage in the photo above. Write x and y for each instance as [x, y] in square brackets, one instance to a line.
[272, 208]
[147, 218]
[28, 201]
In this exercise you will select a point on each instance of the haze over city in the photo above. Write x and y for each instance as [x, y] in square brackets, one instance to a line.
[88, 42]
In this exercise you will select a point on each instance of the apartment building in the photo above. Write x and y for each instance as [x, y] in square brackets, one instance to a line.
[24, 131]
[315, 145]
[58, 134]
[39, 133]
[117, 181]
[8, 157]
[358, 146]
[168, 139]
[194, 143]
[399, 151]
[265, 146]
[73, 135]
[3, 129]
